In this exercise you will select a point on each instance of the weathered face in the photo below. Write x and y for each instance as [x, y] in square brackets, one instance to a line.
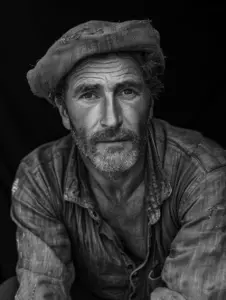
[108, 107]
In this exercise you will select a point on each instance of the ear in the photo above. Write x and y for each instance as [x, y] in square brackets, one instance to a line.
[63, 114]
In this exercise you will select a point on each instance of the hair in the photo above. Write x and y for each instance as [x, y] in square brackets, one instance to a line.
[151, 67]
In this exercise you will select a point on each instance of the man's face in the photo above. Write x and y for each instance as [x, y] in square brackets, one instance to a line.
[108, 107]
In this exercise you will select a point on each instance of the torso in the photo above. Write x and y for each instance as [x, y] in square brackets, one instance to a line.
[132, 235]
[128, 222]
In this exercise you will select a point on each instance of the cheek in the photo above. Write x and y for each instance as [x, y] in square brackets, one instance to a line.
[136, 114]
[83, 118]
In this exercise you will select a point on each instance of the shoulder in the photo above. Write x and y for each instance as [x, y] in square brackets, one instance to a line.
[48, 153]
[41, 172]
[206, 153]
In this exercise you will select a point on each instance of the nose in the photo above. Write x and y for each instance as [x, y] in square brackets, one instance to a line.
[111, 116]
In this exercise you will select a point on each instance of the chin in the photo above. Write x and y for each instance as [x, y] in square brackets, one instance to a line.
[115, 162]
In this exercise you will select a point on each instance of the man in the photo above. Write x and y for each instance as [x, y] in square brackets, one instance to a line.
[126, 206]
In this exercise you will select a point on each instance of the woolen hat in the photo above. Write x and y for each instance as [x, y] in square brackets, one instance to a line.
[87, 39]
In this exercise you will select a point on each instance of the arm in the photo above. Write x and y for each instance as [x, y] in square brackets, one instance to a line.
[44, 267]
[196, 265]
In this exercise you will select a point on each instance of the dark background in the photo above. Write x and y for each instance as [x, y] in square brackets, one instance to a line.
[192, 37]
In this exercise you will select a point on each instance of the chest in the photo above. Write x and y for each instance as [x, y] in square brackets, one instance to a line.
[132, 233]
[129, 224]
[127, 221]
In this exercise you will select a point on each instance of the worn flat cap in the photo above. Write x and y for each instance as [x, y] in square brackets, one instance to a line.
[87, 39]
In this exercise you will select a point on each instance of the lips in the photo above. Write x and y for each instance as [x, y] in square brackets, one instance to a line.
[113, 141]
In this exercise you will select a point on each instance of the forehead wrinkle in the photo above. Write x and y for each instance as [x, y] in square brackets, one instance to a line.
[93, 69]
[107, 64]
[101, 69]
[106, 61]
[114, 73]
[92, 80]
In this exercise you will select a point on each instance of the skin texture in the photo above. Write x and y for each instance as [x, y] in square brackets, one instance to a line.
[109, 111]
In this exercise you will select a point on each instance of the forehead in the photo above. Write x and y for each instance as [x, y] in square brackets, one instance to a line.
[110, 68]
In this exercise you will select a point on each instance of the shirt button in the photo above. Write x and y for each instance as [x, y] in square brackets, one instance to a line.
[94, 214]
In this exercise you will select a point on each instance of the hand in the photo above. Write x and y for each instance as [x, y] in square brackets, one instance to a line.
[161, 293]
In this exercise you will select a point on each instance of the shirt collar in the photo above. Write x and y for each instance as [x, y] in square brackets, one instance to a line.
[76, 189]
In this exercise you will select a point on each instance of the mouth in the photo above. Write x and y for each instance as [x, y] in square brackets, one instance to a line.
[114, 141]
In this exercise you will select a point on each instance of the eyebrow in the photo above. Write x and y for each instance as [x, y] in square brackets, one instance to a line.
[87, 87]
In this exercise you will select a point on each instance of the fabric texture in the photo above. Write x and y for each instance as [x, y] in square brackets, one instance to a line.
[9, 288]
[87, 39]
[62, 238]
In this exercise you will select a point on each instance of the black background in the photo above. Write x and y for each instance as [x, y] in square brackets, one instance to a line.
[192, 38]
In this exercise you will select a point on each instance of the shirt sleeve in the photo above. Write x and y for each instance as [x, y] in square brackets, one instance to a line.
[44, 268]
[196, 265]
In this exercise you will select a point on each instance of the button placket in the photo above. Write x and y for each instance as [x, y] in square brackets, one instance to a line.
[134, 281]
[130, 266]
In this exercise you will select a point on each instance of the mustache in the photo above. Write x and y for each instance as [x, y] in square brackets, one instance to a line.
[112, 133]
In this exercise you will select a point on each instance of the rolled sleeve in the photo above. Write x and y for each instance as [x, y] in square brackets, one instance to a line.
[44, 267]
[196, 265]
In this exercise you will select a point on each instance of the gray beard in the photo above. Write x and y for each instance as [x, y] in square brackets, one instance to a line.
[112, 163]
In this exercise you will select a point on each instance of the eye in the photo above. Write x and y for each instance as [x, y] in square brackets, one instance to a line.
[88, 96]
[128, 93]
